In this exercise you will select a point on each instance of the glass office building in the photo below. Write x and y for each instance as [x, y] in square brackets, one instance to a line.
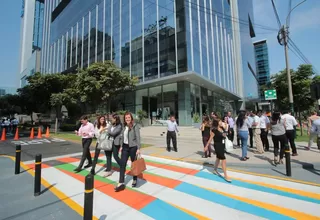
[32, 15]
[262, 61]
[182, 51]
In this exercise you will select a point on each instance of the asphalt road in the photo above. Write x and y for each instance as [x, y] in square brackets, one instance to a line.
[48, 147]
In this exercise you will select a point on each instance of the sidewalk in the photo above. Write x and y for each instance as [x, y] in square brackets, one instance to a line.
[190, 149]
[17, 200]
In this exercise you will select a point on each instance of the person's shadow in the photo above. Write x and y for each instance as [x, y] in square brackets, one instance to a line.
[261, 157]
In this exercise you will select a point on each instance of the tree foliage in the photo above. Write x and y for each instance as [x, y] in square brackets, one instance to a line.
[301, 80]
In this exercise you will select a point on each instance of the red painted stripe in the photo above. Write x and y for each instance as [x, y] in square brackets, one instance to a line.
[129, 197]
[173, 168]
[68, 160]
[43, 166]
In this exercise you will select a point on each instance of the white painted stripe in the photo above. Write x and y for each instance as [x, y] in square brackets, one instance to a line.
[261, 179]
[277, 200]
[183, 200]
[103, 204]
[57, 157]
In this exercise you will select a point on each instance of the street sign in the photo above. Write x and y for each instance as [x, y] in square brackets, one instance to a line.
[270, 94]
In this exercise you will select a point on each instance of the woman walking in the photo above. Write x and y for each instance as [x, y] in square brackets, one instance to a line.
[278, 130]
[130, 148]
[115, 132]
[205, 130]
[101, 133]
[243, 126]
[218, 135]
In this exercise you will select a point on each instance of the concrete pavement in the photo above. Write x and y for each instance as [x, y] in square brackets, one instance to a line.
[17, 200]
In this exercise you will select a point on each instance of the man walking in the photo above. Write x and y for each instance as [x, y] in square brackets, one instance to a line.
[256, 132]
[171, 133]
[86, 131]
[291, 123]
[264, 126]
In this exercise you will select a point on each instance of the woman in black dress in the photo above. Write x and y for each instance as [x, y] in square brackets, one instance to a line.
[205, 130]
[218, 134]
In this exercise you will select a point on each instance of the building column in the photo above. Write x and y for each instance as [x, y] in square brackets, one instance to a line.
[184, 103]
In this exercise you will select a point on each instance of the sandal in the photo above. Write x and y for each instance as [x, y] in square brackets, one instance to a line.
[215, 172]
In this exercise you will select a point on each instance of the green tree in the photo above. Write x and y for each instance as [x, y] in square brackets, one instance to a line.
[301, 80]
[101, 82]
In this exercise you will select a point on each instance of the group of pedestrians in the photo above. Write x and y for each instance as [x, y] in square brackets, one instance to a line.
[125, 139]
[257, 125]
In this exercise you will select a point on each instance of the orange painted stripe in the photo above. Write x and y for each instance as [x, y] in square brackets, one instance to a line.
[173, 168]
[163, 181]
[68, 160]
[129, 197]
[43, 166]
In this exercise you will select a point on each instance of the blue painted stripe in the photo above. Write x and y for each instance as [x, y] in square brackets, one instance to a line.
[239, 183]
[162, 211]
[228, 202]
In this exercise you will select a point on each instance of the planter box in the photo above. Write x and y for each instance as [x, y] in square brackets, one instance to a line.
[196, 125]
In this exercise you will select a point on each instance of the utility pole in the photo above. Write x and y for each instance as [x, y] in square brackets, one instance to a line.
[285, 33]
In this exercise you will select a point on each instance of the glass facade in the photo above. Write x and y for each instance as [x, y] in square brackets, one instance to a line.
[250, 83]
[262, 62]
[152, 40]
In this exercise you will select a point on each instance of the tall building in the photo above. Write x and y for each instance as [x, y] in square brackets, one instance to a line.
[30, 38]
[187, 54]
[262, 61]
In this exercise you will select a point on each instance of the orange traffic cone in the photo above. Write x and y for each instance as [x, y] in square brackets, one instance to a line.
[32, 133]
[47, 132]
[16, 137]
[3, 136]
[39, 133]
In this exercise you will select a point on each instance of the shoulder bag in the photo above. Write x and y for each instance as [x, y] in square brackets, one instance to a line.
[105, 142]
[228, 145]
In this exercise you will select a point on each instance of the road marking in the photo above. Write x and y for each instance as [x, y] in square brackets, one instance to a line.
[38, 141]
[68, 201]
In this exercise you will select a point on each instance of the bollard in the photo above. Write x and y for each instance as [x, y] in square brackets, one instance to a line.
[18, 159]
[88, 198]
[288, 161]
[37, 176]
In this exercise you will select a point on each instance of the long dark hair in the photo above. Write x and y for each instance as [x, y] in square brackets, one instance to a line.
[206, 121]
[124, 121]
[215, 123]
[240, 119]
[117, 118]
[99, 123]
[276, 117]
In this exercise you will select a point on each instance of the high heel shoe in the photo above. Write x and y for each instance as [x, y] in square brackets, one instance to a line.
[119, 188]
[134, 183]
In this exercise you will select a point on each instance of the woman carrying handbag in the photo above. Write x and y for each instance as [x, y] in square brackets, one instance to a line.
[115, 132]
[130, 148]
[104, 142]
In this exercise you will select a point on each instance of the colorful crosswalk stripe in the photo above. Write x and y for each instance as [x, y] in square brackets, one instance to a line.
[171, 189]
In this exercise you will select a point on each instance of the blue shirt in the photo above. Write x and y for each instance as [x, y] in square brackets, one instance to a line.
[230, 122]
[172, 126]
[250, 119]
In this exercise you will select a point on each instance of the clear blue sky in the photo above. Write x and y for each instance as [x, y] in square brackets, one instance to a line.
[9, 41]
[305, 32]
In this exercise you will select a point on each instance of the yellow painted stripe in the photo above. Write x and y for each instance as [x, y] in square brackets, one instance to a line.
[88, 191]
[241, 171]
[37, 163]
[67, 200]
[197, 216]
[281, 188]
[284, 211]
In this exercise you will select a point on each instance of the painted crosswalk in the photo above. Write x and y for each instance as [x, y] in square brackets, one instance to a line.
[171, 189]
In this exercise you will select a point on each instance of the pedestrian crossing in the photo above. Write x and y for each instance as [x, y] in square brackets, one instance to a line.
[171, 189]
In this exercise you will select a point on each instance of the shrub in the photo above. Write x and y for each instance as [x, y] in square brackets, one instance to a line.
[196, 118]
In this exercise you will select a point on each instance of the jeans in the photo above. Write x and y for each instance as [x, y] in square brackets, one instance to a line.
[86, 142]
[282, 139]
[251, 137]
[125, 154]
[244, 142]
[108, 157]
[115, 151]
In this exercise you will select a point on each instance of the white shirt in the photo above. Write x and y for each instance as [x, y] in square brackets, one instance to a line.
[125, 135]
[264, 120]
[172, 126]
[257, 120]
[290, 121]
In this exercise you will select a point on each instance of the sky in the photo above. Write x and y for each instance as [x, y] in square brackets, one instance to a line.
[304, 31]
